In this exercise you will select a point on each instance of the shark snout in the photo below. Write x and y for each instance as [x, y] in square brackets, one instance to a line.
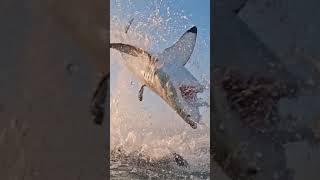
[192, 123]
[192, 118]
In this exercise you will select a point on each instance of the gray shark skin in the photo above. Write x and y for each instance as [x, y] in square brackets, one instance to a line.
[164, 73]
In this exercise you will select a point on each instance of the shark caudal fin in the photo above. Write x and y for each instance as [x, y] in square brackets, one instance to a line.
[180, 52]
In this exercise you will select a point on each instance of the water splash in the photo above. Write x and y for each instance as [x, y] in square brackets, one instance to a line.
[145, 134]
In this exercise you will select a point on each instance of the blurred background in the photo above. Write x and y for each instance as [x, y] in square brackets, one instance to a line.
[51, 52]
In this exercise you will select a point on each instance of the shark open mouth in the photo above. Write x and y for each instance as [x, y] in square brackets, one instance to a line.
[189, 93]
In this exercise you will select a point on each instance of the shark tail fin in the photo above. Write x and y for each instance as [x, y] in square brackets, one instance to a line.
[180, 52]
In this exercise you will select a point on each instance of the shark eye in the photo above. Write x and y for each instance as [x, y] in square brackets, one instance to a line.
[188, 115]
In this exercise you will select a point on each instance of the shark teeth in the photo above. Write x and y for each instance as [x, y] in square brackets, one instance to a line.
[189, 93]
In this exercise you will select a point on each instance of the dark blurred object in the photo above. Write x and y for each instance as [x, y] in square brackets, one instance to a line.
[98, 102]
[180, 160]
[128, 26]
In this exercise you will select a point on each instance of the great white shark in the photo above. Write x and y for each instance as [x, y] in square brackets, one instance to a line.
[166, 75]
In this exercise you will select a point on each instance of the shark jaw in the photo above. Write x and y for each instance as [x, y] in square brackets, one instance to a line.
[181, 95]
[165, 74]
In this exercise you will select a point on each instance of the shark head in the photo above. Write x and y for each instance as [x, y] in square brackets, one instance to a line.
[189, 104]
[179, 89]
[166, 75]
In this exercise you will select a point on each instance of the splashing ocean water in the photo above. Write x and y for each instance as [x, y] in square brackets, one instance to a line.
[145, 134]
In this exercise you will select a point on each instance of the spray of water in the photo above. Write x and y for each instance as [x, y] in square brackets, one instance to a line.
[151, 130]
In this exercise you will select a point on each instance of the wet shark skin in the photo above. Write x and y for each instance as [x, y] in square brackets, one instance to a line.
[165, 73]
[171, 94]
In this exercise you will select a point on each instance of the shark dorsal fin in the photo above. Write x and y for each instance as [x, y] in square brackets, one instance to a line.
[129, 49]
[180, 52]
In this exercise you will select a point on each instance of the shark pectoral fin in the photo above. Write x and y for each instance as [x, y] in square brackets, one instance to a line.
[181, 51]
[140, 96]
[129, 49]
